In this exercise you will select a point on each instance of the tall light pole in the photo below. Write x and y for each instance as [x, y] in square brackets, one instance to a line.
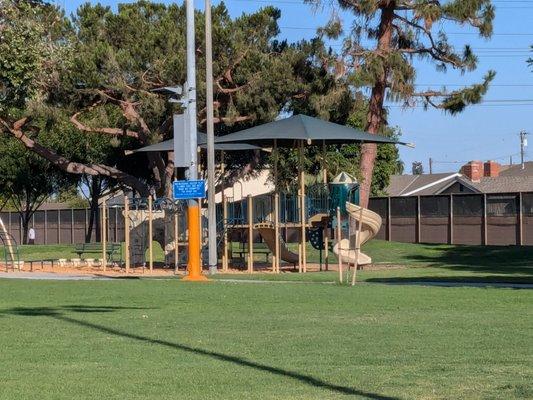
[193, 209]
[192, 172]
[211, 206]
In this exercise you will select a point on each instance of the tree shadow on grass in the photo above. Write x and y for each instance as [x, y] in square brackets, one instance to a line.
[59, 314]
[507, 263]
[457, 281]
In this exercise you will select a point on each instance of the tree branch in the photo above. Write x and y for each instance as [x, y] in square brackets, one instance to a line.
[107, 131]
[70, 166]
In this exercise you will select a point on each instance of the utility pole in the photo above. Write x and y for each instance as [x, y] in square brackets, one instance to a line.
[211, 206]
[430, 165]
[523, 145]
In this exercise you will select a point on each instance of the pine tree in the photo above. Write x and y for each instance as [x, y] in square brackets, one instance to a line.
[386, 37]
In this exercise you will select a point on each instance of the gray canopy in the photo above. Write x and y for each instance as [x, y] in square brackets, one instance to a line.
[168, 145]
[302, 127]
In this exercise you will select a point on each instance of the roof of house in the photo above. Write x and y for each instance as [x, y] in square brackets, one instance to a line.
[426, 184]
[504, 184]
[404, 185]
[516, 169]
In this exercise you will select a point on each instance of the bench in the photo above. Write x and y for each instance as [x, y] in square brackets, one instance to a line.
[258, 248]
[113, 250]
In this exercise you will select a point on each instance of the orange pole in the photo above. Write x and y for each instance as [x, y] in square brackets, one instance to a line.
[194, 265]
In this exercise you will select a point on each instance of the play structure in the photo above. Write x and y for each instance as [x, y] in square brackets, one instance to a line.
[146, 221]
[279, 225]
[326, 215]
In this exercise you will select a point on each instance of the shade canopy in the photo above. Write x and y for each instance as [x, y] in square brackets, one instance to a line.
[302, 128]
[168, 145]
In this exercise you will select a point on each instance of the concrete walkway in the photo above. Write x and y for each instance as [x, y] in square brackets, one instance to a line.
[53, 277]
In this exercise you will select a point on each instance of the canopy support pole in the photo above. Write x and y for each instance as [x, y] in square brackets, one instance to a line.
[224, 216]
[127, 231]
[325, 181]
[303, 265]
[104, 235]
[176, 242]
[150, 234]
[276, 259]
[339, 238]
[250, 235]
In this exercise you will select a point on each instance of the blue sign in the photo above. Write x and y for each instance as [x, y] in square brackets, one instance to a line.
[188, 190]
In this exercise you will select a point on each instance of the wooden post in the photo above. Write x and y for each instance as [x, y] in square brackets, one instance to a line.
[116, 226]
[104, 235]
[225, 244]
[418, 240]
[127, 231]
[339, 237]
[71, 225]
[176, 242]
[150, 234]
[325, 228]
[520, 220]
[485, 225]
[303, 266]
[225, 258]
[250, 235]
[451, 218]
[357, 246]
[58, 228]
[277, 261]
[46, 226]
[389, 223]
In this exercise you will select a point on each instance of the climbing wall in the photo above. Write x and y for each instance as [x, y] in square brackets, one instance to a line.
[163, 233]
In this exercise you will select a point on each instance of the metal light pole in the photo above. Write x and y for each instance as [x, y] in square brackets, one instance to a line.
[193, 209]
[211, 206]
[192, 173]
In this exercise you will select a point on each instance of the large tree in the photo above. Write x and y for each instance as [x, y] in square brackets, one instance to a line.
[113, 62]
[383, 42]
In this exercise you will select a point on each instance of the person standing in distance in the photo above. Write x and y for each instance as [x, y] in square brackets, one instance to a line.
[31, 236]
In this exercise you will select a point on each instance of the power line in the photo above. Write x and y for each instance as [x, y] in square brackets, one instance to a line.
[518, 5]
[466, 85]
[448, 33]
[471, 105]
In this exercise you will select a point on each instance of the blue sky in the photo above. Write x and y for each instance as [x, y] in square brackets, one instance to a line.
[487, 131]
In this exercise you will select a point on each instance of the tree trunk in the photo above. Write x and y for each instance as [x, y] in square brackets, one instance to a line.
[25, 217]
[94, 214]
[375, 111]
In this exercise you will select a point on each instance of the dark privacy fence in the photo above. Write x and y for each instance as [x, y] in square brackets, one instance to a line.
[475, 219]
[64, 226]
[491, 219]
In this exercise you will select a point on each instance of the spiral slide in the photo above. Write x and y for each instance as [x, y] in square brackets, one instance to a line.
[371, 224]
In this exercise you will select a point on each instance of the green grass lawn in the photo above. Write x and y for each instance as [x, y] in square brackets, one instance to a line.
[165, 339]
[425, 261]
